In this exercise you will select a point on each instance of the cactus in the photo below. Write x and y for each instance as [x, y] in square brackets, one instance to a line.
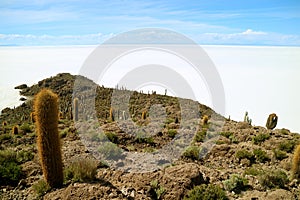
[32, 117]
[143, 115]
[247, 119]
[205, 120]
[15, 130]
[111, 114]
[4, 123]
[75, 109]
[296, 163]
[272, 121]
[46, 116]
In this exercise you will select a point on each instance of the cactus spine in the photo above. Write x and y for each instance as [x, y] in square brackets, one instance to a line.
[272, 121]
[296, 163]
[46, 116]
[75, 109]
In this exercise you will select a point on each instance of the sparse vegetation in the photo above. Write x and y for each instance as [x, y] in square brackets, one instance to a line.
[261, 156]
[192, 152]
[236, 183]
[200, 136]
[26, 128]
[172, 133]
[41, 188]
[110, 150]
[244, 154]
[260, 138]
[81, 170]
[279, 155]
[206, 192]
[157, 190]
[10, 170]
[273, 179]
[287, 146]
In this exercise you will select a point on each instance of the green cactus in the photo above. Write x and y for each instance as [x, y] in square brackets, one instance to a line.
[46, 116]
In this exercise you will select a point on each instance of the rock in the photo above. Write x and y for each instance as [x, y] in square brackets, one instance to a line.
[20, 87]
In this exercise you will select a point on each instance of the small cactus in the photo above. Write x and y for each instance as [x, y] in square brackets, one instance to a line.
[32, 117]
[111, 114]
[272, 121]
[46, 116]
[15, 130]
[247, 119]
[296, 164]
[205, 120]
[75, 109]
[143, 115]
[4, 123]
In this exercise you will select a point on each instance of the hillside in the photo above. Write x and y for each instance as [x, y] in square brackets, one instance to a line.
[236, 159]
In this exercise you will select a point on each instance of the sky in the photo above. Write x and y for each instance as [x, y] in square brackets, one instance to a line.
[77, 22]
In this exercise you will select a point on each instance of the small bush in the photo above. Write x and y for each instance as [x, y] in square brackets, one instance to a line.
[279, 155]
[110, 150]
[261, 155]
[206, 192]
[242, 154]
[81, 170]
[10, 170]
[287, 146]
[200, 136]
[41, 188]
[260, 138]
[156, 190]
[6, 136]
[236, 183]
[273, 179]
[226, 134]
[172, 133]
[112, 137]
[26, 128]
[253, 171]
[141, 138]
[192, 152]
[64, 133]
[24, 156]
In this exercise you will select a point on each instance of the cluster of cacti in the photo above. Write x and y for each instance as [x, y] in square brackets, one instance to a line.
[296, 163]
[46, 116]
[75, 109]
[247, 119]
[272, 121]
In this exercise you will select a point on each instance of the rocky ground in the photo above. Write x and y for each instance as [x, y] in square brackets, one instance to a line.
[240, 160]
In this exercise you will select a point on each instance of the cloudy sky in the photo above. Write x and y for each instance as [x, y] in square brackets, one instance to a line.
[77, 22]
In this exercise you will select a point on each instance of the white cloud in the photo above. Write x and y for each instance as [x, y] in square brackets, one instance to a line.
[251, 32]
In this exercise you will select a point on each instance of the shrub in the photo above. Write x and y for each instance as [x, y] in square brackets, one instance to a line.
[112, 137]
[200, 136]
[287, 146]
[110, 150]
[81, 170]
[279, 155]
[172, 133]
[261, 155]
[252, 171]
[236, 183]
[226, 134]
[206, 192]
[192, 152]
[6, 136]
[24, 156]
[260, 138]
[41, 188]
[157, 191]
[10, 170]
[296, 163]
[273, 179]
[242, 154]
[26, 128]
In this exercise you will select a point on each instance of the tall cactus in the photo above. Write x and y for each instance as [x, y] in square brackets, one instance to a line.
[75, 109]
[272, 121]
[296, 164]
[46, 116]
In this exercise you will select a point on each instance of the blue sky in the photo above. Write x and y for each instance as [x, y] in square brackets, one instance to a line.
[234, 22]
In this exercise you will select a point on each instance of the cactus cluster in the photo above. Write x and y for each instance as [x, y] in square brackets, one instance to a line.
[46, 116]
[247, 119]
